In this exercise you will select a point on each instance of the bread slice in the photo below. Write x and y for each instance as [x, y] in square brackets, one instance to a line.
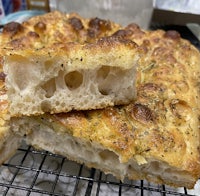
[49, 71]
[9, 141]
[107, 140]
[156, 137]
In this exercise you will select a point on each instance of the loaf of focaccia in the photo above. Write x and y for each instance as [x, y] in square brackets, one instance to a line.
[54, 63]
[156, 137]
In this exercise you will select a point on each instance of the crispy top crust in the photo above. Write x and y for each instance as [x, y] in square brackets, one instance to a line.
[163, 122]
[56, 27]
[57, 33]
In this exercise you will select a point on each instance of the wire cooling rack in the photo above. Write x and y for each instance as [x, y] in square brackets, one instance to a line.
[32, 172]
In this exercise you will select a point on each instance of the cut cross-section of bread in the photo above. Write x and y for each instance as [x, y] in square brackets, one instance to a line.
[66, 62]
[71, 77]
[156, 137]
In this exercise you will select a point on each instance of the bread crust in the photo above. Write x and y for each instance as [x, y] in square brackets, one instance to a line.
[56, 27]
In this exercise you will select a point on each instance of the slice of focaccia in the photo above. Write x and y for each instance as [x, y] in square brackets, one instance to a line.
[57, 62]
[156, 137]
[9, 141]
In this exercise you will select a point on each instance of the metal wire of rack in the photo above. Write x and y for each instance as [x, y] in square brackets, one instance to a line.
[33, 173]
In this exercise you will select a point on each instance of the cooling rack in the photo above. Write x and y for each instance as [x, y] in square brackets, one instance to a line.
[33, 173]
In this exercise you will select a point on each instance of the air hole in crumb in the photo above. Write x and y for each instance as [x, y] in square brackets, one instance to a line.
[108, 155]
[104, 91]
[63, 105]
[103, 72]
[155, 166]
[48, 64]
[45, 106]
[102, 77]
[73, 80]
[49, 87]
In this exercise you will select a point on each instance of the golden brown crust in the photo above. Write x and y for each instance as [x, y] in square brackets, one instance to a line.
[163, 123]
[61, 33]
[55, 27]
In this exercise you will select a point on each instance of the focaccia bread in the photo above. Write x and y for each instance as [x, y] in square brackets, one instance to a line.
[57, 62]
[156, 137]
[9, 141]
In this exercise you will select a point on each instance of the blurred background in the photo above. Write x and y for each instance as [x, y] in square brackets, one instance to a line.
[146, 13]
[142, 12]
[181, 15]
[121, 11]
